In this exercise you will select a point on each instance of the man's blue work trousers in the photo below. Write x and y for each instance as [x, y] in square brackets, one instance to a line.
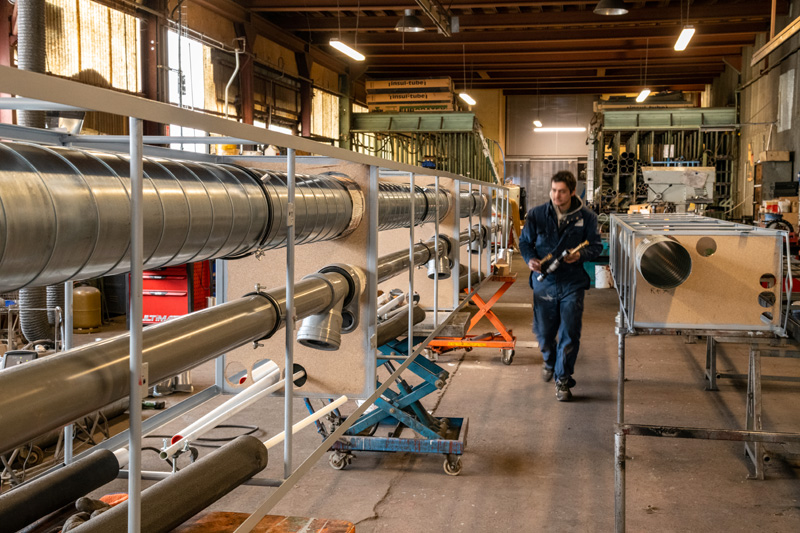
[558, 313]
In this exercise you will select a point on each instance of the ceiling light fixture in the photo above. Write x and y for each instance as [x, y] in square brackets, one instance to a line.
[347, 50]
[686, 33]
[645, 92]
[536, 122]
[463, 95]
[558, 130]
[409, 23]
[684, 38]
[467, 98]
[610, 7]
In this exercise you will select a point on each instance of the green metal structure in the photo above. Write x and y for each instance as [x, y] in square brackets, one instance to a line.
[706, 135]
[446, 141]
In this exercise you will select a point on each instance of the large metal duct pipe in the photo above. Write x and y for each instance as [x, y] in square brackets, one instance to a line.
[78, 202]
[663, 262]
[52, 392]
[172, 501]
[77, 205]
[35, 499]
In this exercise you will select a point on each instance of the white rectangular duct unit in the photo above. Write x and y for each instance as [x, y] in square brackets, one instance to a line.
[679, 185]
[683, 271]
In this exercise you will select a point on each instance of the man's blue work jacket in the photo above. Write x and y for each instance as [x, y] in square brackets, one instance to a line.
[542, 235]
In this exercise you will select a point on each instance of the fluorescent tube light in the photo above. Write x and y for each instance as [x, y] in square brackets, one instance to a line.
[558, 130]
[346, 50]
[537, 123]
[467, 98]
[684, 38]
[643, 95]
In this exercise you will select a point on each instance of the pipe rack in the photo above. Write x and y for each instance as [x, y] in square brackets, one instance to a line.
[254, 312]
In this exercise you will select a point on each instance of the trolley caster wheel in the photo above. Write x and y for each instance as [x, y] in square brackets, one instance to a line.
[339, 460]
[452, 465]
[506, 356]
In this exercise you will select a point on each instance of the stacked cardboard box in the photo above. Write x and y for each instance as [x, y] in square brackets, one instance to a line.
[410, 95]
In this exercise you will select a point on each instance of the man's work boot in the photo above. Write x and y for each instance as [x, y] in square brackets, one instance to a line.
[547, 374]
[563, 393]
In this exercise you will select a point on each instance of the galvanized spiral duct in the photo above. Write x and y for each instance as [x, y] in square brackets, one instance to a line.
[76, 204]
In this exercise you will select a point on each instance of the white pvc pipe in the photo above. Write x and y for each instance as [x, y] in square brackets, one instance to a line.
[251, 394]
[264, 370]
[310, 419]
[391, 305]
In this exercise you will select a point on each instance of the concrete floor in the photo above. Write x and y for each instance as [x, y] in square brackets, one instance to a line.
[534, 464]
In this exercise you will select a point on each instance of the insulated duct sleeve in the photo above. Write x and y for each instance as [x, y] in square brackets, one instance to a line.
[33, 500]
[172, 501]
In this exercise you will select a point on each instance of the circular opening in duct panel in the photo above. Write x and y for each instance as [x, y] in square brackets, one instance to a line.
[663, 262]
[767, 281]
[706, 246]
[766, 299]
[235, 374]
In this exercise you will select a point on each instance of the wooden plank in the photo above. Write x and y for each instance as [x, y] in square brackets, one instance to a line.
[723, 288]
[410, 97]
[409, 84]
[329, 373]
[225, 522]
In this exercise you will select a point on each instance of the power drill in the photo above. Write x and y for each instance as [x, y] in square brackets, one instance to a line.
[553, 266]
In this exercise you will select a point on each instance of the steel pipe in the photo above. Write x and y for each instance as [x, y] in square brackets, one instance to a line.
[51, 392]
[30, 501]
[663, 262]
[170, 502]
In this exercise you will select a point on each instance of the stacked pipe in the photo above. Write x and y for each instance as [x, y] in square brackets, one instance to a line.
[79, 203]
[609, 165]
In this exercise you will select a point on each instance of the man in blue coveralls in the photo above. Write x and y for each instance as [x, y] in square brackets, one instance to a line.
[551, 228]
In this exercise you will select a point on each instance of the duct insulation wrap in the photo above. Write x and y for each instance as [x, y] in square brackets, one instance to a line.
[173, 500]
[53, 391]
[31, 501]
[76, 204]
[663, 262]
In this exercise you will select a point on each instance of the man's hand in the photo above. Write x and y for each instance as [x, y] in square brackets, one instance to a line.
[571, 258]
[535, 265]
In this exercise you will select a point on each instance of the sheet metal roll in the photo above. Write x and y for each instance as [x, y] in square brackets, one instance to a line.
[40, 497]
[172, 501]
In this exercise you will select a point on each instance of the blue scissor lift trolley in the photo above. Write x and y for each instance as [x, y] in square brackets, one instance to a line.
[400, 408]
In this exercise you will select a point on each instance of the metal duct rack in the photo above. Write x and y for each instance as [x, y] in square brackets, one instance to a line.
[167, 207]
[685, 274]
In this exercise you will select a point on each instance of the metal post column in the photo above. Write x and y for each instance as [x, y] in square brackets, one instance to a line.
[436, 261]
[135, 404]
[619, 437]
[68, 322]
[288, 389]
[411, 265]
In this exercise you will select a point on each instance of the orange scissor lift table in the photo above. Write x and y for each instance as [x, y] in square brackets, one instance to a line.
[502, 338]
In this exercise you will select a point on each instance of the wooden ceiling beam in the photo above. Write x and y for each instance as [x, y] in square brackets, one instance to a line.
[738, 12]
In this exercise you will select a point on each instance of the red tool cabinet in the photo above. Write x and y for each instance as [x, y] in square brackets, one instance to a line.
[175, 291]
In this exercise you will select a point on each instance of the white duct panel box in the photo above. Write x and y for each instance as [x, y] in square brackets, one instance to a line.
[691, 272]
